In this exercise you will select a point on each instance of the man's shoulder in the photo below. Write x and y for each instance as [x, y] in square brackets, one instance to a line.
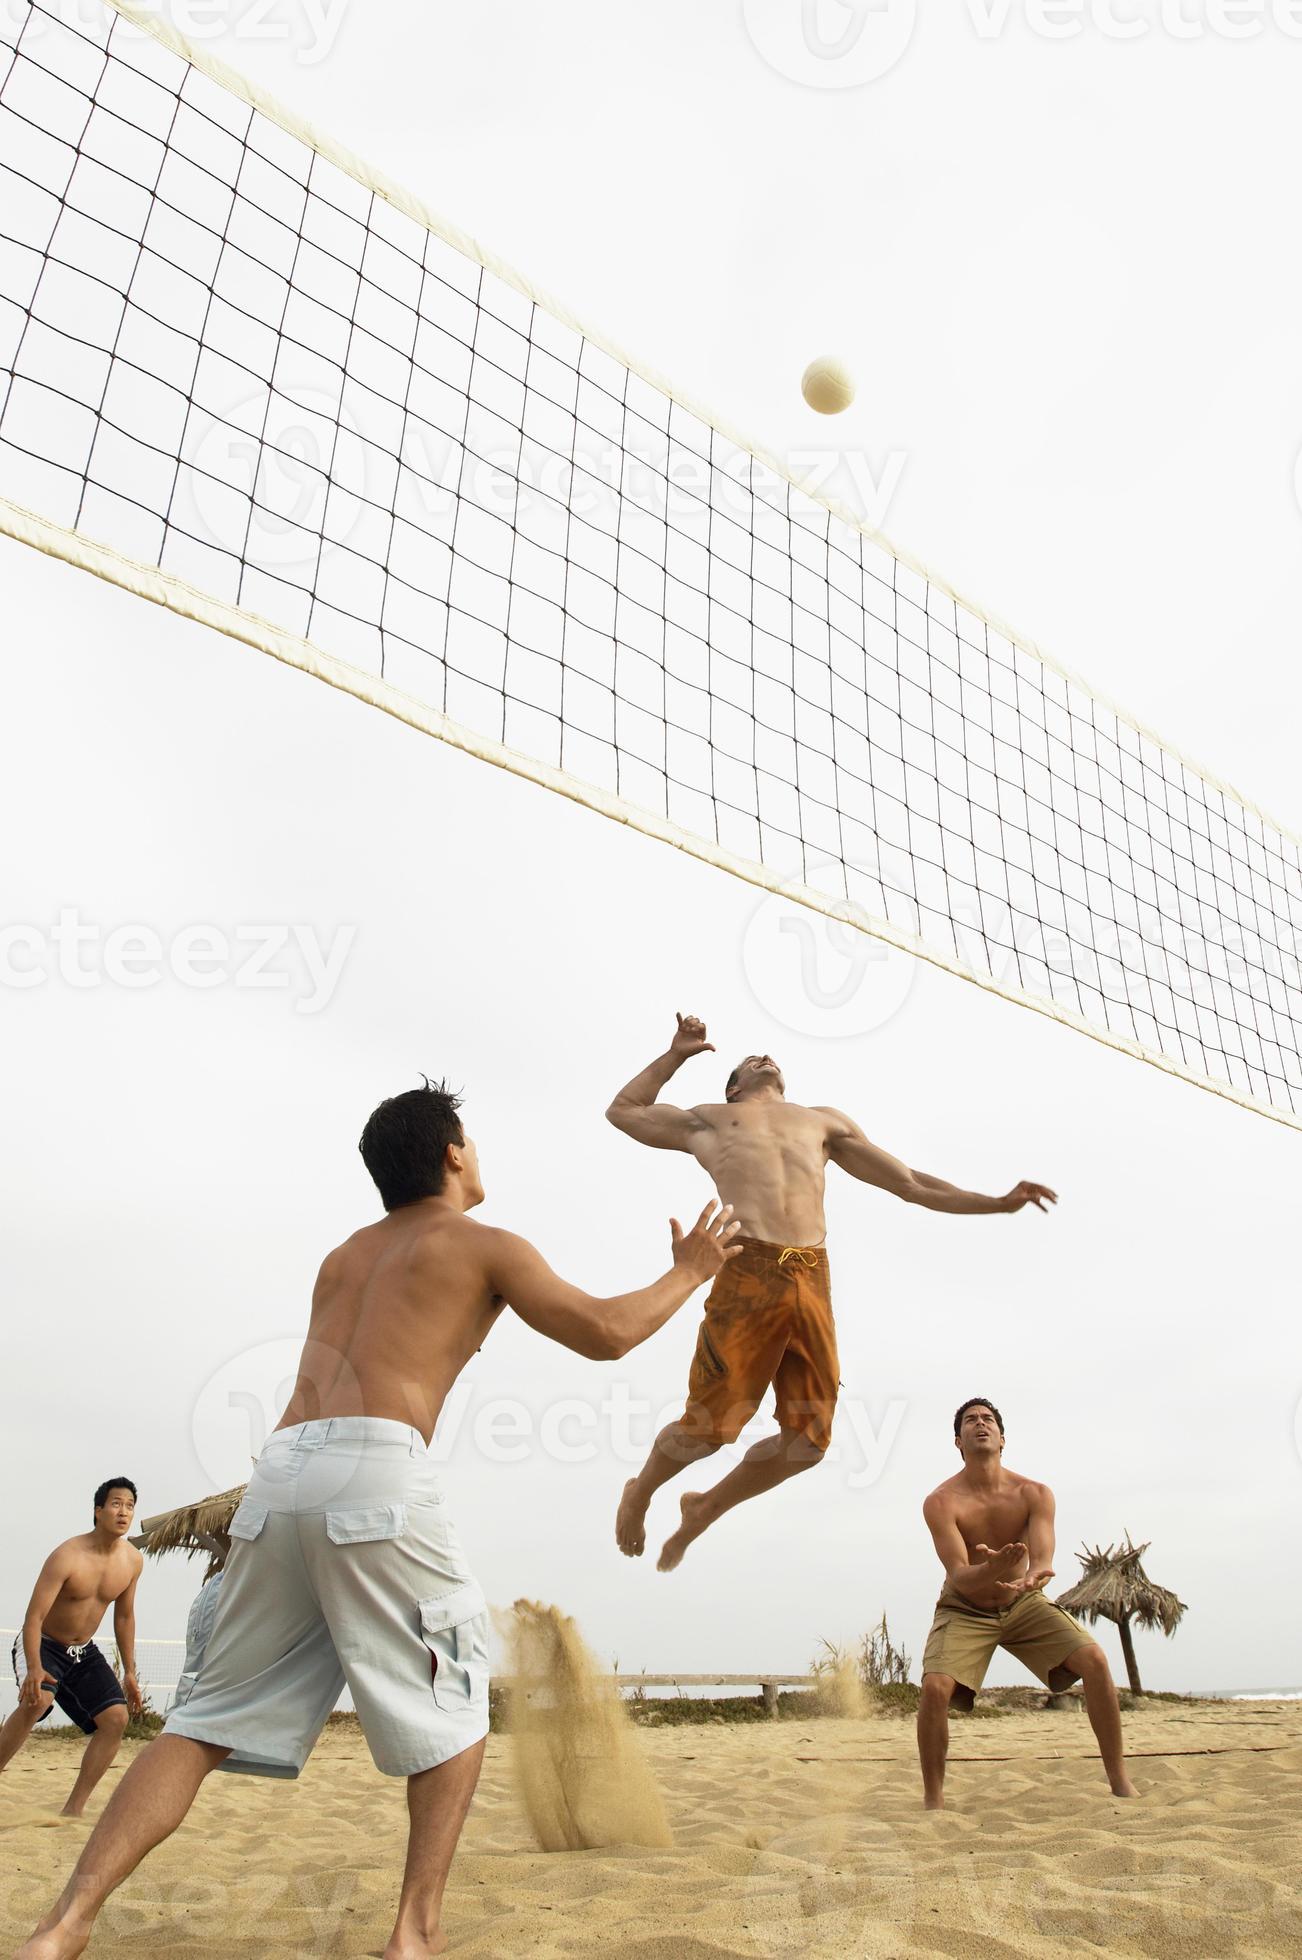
[71, 1550]
[132, 1567]
[834, 1120]
[1029, 1486]
[942, 1498]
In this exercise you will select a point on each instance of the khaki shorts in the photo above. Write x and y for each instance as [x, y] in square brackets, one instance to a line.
[344, 1570]
[963, 1639]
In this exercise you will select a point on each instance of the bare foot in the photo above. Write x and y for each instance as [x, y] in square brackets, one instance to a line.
[933, 1803]
[407, 1946]
[695, 1509]
[53, 1943]
[1123, 1787]
[630, 1521]
[68, 1810]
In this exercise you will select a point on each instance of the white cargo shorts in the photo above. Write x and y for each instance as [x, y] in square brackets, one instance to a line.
[344, 1569]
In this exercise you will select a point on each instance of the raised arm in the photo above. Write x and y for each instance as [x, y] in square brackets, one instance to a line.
[605, 1329]
[635, 1110]
[848, 1147]
[976, 1582]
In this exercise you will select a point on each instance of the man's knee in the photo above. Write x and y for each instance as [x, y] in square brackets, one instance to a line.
[1090, 1663]
[801, 1450]
[937, 1692]
[112, 1721]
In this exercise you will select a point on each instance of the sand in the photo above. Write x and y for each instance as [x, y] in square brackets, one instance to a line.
[789, 1838]
[580, 1770]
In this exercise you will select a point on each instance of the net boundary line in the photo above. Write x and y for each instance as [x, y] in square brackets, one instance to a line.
[177, 595]
[149, 21]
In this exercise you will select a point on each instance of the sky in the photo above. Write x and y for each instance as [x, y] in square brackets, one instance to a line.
[1059, 271]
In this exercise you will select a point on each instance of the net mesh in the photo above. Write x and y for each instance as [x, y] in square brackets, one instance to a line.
[238, 359]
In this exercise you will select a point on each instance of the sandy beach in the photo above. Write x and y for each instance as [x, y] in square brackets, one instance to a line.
[792, 1837]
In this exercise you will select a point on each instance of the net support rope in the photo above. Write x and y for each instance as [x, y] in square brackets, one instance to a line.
[249, 379]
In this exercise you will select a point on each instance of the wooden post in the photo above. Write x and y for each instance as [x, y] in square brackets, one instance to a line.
[770, 1693]
[1128, 1650]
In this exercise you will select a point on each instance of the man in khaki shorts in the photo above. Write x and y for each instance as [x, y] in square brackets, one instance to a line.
[344, 1567]
[995, 1598]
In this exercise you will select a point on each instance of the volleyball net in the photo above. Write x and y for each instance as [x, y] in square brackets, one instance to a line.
[249, 379]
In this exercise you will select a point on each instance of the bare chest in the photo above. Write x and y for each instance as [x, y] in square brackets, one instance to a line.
[775, 1146]
[94, 1581]
[992, 1521]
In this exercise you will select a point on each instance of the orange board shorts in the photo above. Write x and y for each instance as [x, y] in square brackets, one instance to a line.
[768, 1321]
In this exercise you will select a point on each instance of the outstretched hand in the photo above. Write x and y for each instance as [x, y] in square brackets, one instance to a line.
[1027, 1193]
[689, 1038]
[707, 1248]
[1032, 1582]
[1001, 1560]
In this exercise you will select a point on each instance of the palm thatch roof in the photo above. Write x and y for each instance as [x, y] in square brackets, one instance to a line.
[1114, 1583]
[203, 1526]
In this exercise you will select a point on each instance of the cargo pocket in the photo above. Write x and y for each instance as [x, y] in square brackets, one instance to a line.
[364, 1524]
[248, 1520]
[455, 1629]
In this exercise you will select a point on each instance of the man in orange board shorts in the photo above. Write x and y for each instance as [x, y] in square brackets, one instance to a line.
[993, 1533]
[768, 1319]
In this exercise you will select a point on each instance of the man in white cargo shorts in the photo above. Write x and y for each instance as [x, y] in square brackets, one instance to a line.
[348, 1571]
[344, 1567]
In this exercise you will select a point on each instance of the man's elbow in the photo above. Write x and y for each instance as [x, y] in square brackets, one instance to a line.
[612, 1345]
[621, 1115]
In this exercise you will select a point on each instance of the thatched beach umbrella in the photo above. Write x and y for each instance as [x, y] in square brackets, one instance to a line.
[200, 1527]
[1116, 1587]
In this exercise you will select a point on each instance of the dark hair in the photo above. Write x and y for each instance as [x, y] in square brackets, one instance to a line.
[731, 1083]
[114, 1483]
[405, 1139]
[977, 1402]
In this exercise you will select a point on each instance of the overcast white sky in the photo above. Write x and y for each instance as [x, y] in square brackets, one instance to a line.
[1063, 274]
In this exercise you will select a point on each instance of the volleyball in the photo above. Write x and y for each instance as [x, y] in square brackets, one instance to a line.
[826, 385]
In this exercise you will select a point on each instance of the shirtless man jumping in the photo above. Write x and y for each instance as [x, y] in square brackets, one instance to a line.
[768, 1319]
[995, 1598]
[55, 1658]
[344, 1566]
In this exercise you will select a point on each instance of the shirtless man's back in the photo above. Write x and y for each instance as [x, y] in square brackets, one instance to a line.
[993, 1530]
[55, 1658]
[344, 1567]
[768, 1320]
